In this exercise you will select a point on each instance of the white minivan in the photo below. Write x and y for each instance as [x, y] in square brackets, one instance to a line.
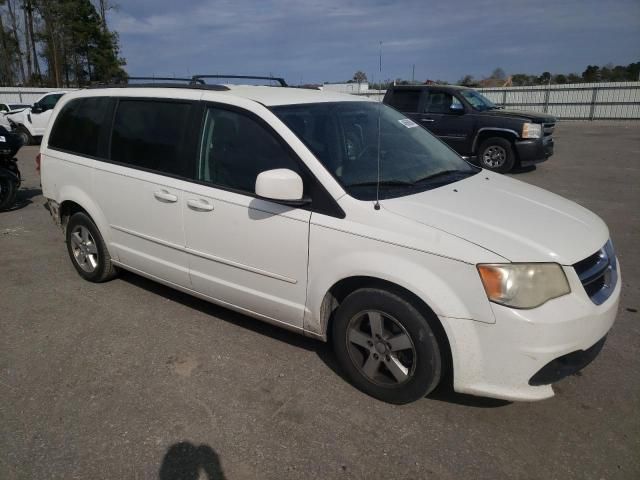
[338, 218]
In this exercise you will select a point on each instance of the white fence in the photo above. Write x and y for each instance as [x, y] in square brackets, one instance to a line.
[27, 95]
[590, 101]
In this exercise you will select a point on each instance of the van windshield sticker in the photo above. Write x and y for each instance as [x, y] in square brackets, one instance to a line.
[408, 123]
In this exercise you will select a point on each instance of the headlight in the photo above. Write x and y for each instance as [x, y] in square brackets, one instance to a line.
[523, 285]
[531, 130]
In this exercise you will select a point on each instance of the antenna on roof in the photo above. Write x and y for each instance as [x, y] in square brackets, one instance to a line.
[376, 206]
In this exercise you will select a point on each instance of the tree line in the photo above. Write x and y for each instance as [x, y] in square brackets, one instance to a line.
[591, 74]
[57, 43]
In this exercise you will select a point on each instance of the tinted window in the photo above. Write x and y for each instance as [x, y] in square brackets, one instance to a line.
[235, 149]
[405, 100]
[50, 101]
[353, 139]
[149, 134]
[78, 125]
[440, 102]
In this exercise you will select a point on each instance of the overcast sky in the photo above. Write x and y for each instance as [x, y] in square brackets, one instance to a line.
[328, 40]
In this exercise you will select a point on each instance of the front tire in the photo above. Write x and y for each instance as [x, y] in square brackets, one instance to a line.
[496, 154]
[87, 249]
[386, 347]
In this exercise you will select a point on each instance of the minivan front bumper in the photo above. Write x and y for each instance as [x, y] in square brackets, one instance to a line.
[505, 360]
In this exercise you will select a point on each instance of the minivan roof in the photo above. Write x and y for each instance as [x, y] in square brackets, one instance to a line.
[265, 95]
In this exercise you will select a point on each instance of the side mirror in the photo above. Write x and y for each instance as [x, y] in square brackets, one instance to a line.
[456, 108]
[281, 185]
[37, 108]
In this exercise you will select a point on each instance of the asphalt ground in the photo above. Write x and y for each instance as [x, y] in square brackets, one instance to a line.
[130, 379]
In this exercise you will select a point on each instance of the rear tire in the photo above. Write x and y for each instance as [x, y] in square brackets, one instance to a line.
[386, 347]
[87, 249]
[8, 193]
[496, 154]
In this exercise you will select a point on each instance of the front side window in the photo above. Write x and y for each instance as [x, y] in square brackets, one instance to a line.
[441, 102]
[78, 126]
[149, 134]
[344, 136]
[477, 100]
[236, 148]
[48, 102]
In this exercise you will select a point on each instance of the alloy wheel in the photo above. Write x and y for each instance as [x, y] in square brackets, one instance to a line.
[494, 156]
[84, 248]
[381, 348]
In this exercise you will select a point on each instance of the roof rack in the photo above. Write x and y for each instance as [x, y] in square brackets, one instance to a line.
[166, 79]
[159, 82]
[199, 78]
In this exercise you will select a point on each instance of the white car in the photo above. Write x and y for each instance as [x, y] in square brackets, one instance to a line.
[338, 218]
[5, 109]
[30, 123]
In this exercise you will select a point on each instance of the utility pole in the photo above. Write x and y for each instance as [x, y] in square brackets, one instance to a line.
[413, 74]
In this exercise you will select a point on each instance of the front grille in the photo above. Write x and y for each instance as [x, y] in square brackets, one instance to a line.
[599, 274]
[547, 128]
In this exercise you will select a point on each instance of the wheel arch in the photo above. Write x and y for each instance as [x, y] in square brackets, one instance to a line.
[488, 132]
[71, 200]
[344, 287]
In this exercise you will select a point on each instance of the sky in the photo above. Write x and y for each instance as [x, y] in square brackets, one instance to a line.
[329, 40]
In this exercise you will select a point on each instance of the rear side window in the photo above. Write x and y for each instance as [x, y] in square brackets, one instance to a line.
[150, 134]
[405, 100]
[78, 126]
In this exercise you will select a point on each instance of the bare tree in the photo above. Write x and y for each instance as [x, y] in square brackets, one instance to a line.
[14, 25]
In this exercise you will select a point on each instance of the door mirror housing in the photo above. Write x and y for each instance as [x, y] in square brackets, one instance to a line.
[456, 108]
[281, 185]
[37, 108]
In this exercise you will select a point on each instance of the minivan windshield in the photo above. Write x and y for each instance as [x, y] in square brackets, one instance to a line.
[478, 101]
[344, 137]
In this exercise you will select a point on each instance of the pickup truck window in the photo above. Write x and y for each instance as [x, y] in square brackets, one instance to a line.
[478, 101]
[440, 102]
[344, 137]
[405, 100]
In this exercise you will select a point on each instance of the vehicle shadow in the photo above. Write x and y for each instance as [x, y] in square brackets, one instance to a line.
[527, 169]
[444, 392]
[24, 197]
[185, 461]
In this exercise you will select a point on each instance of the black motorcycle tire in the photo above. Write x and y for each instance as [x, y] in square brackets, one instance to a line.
[8, 193]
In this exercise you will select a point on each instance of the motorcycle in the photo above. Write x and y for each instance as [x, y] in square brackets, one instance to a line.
[10, 177]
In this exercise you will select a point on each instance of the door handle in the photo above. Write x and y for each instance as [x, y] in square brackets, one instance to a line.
[429, 120]
[165, 196]
[200, 204]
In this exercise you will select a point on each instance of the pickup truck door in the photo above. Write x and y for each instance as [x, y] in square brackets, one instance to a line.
[445, 116]
[41, 113]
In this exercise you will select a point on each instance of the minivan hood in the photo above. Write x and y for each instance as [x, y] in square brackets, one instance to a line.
[534, 117]
[513, 219]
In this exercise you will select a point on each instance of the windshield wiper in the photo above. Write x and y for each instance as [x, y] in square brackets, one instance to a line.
[443, 173]
[383, 183]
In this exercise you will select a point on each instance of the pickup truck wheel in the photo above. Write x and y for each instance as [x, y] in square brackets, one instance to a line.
[87, 249]
[24, 136]
[386, 347]
[496, 154]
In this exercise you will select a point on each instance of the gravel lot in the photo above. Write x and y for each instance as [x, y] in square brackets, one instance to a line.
[106, 381]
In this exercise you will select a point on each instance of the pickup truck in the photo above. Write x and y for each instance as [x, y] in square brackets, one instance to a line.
[473, 126]
[30, 123]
